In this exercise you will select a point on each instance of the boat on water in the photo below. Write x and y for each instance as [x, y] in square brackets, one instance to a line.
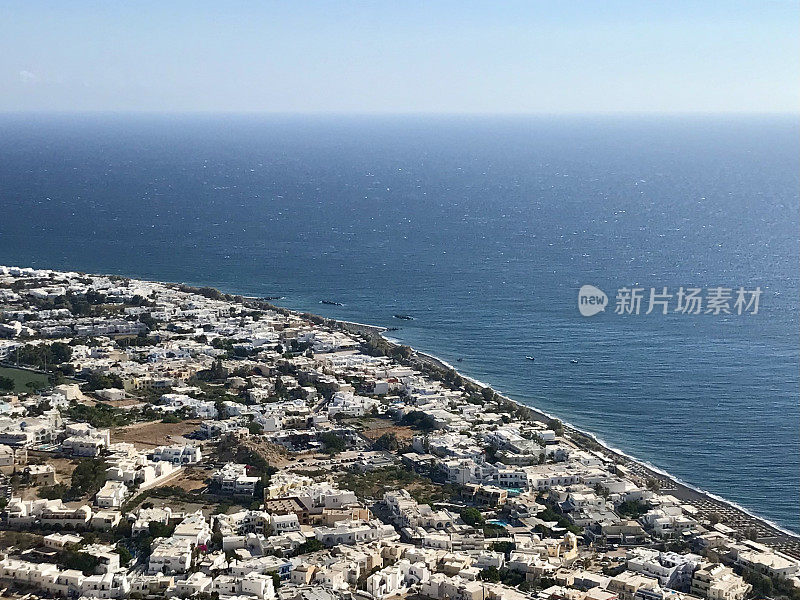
[404, 317]
[459, 359]
[529, 358]
[574, 361]
[331, 303]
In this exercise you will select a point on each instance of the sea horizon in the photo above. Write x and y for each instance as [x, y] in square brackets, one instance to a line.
[484, 234]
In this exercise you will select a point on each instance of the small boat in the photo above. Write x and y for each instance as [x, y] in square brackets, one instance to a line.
[404, 317]
[574, 361]
[529, 358]
[331, 303]
[459, 359]
[269, 298]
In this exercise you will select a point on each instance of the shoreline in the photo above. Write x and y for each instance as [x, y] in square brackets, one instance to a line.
[705, 502]
[735, 516]
[683, 491]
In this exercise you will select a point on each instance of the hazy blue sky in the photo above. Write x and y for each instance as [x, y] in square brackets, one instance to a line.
[404, 56]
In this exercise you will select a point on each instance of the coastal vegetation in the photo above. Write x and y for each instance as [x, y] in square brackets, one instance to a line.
[240, 453]
[101, 381]
[90, 304]
[549, 515]
[505, 547]
[631, 509]
[388, 442]
[72, 558]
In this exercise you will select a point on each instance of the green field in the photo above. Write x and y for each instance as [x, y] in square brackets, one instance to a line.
[22, 377]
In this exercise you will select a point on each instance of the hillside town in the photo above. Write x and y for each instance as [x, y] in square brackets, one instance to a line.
[164, 441]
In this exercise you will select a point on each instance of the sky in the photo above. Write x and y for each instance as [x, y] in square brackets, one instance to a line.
[406, 56]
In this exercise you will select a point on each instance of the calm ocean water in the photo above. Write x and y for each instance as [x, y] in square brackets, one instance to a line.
[483, 229]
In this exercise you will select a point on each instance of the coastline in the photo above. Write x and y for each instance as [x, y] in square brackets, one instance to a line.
[737, 517]
[706, 503]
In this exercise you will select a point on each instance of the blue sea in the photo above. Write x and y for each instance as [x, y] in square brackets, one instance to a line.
[483, 229]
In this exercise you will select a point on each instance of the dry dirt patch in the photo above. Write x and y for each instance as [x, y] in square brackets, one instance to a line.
[154, 433]
[380, 428]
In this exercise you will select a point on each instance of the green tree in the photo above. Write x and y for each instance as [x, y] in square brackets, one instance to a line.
[88, 477]
[333, 443]
[556, 425]
[157, 529]
[388, 441]
[148, 321]
[312, 545]
[632, 509]
[505, 547]
[60, 353]
[416, 419]
[471, 516]
[44, 355]
[125, 555]
[99, 381]
[6, 384]
[72, 558]
[54, 492]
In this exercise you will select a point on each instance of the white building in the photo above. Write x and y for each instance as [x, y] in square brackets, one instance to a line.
[233, 479]
[284, 523]
[254, 585]
[145, 516]
[111, 495]
[346, 404]
[85, 440]
[22, 513]
[397, 578]
[177, 455]
[671, 569]
[355, 532]
[56, 582]
[170, 555]
[718, 582]
[194, 528]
